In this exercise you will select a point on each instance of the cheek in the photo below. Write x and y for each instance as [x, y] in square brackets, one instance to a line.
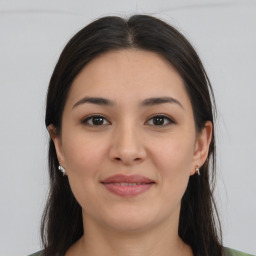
[83, 155]
[174, 155]
[173, 160]
[84, 158]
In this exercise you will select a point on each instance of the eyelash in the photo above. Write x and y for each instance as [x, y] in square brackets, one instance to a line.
[90, 118]
[161, 116]
[167, 120]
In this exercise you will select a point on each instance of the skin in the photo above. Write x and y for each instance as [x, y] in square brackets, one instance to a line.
[129, 142]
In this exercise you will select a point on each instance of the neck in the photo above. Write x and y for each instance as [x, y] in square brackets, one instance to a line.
[162, 240]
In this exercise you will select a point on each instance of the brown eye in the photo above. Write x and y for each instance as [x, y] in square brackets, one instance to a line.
[159, 120]
[96, 121]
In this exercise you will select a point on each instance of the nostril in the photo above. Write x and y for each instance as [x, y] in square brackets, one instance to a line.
[120, 159]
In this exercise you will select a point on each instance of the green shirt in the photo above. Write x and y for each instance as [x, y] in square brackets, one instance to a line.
[227, 252]
[230, 252]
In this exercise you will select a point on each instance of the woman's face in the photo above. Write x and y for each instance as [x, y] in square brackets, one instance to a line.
[128, 141]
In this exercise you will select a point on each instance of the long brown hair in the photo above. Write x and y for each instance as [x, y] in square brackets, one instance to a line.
[62, 219]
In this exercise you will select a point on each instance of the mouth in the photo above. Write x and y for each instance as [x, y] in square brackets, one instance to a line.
[127, 186]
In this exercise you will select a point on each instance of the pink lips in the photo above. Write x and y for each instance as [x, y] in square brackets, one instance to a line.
[127, 186]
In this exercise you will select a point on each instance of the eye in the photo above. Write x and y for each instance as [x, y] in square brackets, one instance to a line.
[160, 120]
[95, 120]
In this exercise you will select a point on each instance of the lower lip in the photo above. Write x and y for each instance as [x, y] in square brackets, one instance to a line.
[127, 191]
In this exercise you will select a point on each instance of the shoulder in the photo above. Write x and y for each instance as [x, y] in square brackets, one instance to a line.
[231, 252]
[40, 253]
[227, 252]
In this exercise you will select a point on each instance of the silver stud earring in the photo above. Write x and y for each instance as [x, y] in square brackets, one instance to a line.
[62, 170]
[197, 170]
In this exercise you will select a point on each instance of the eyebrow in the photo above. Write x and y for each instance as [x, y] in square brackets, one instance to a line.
[94, 100]
[160, 100]
[146, 102]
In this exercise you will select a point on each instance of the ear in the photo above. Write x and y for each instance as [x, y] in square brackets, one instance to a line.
[58, 144]
[202, 146]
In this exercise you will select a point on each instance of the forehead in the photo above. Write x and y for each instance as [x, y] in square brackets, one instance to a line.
[131, 73]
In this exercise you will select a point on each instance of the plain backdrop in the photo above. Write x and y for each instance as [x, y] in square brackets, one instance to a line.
[32, 35]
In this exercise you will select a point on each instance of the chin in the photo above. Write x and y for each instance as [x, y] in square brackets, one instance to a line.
[130, 219]
[130, 225]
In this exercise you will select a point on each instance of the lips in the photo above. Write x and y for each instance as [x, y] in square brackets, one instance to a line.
[127, 186]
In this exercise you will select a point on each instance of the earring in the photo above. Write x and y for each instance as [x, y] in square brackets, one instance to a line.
[197, 170]
[62, 170]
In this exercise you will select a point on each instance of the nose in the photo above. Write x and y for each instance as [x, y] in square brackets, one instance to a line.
[127, 146]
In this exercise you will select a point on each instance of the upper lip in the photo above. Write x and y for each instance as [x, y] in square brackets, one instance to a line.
[120, 178]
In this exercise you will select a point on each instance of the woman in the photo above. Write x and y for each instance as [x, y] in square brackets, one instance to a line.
[131, 120]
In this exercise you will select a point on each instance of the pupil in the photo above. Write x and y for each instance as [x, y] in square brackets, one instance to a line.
[97, 120]
[158, 121]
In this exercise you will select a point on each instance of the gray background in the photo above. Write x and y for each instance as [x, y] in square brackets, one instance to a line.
[32, 34]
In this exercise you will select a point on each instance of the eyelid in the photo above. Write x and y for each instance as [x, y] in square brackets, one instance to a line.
[167, 117]
[87, 118]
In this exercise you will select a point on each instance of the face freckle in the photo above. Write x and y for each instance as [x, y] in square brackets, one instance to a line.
[128, 90]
